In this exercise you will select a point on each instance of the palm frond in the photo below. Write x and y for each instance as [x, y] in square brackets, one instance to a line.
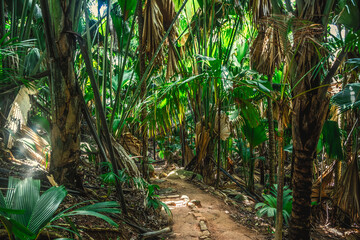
[347, 197]
[153, 30]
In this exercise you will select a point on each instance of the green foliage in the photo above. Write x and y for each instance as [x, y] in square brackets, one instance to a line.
[332, 140]
[121, 26]
[254, 135]
[241, 149]
[127, 7]
[268, 207]
[152, 199]
[349, 98]
[348, 13]
[24, 213]
[110, 177]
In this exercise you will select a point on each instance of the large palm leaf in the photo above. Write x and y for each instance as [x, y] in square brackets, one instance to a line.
[24, 213]
[25, 195]
[348, 98]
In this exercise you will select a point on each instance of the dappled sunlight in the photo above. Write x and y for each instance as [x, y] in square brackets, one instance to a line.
[241, 117]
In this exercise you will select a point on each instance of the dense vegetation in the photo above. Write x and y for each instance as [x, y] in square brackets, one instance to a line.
[264, 88]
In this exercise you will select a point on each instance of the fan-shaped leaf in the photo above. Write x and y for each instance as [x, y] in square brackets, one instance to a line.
[45, 208]
[349, 98]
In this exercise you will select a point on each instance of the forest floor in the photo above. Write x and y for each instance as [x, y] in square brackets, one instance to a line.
[198, 211]
[203, 212]
[206, 217]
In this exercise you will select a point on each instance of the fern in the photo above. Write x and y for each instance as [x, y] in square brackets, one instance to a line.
[268, 207]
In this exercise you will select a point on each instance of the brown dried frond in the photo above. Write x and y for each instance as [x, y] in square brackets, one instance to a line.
[172, 64]
[347, 196]
[167, 9]
[306, 30]
[268, 48]
[282, 109]
[307, 39]
[153, 30]
[158, 17]
[326, 181]
[260, 9]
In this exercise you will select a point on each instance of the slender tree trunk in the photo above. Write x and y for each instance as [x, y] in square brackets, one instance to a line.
[65, 101]
[251, 170]
[2, 19]
[338, 162]
[2, 33]
[143, 129]
[219, 146]
[183, 141]
[280, 189]
[262, 164]
[272, 144]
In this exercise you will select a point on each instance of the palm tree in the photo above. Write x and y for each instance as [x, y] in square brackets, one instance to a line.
[310, 103]
[65, 104]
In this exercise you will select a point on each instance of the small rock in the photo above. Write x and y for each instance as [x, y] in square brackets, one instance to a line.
[163, 175]
[171, 204]
[191, 205]
[165, 191]
[197, 215]
[227, 212]
[186, 198]
[173, 175]
[206, 233]
[196, 202]
[202, 219]
[172, 196]
[159, 180]
[174, 235]
[203, 226]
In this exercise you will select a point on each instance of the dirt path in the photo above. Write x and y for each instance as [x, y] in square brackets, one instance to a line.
[211, 220]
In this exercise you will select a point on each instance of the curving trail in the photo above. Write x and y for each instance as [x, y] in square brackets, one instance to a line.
[208, 220]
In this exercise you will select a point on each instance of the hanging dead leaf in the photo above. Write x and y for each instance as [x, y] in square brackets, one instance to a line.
[131, 144]
[347, 196]
[224, 126]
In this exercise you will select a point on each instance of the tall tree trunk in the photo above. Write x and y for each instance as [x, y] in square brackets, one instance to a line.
[183, 141]
[219, 145]
[307, 123]
[272, 145]
[280, 188]
[310, 106]
[2, 19]
[143, 130]
[262, 165]
[251, 170]
[65, 100]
